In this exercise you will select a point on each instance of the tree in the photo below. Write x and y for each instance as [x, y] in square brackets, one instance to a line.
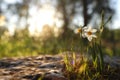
[68, 9]
[85, 13]
[96, 7]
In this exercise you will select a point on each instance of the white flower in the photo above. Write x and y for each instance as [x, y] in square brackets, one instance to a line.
[78, 30]
[89, 33]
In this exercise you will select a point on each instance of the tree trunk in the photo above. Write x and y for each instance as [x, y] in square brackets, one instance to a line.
[65, 19]
[85, 14]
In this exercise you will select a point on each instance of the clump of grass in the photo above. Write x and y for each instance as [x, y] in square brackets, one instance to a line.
[82, 68]
[75, 66]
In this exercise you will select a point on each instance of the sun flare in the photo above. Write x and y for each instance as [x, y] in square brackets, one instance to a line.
[40, 17]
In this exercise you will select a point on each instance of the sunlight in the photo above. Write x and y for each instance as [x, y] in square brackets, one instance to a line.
[2, 20]
[40, 17]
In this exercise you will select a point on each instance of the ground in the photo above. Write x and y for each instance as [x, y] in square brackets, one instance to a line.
[47, 67]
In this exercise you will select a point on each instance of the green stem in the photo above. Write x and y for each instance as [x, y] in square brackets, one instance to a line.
[101, 57]
[81, 44]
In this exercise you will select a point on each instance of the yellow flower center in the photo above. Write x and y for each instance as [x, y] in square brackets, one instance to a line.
[89, 33]
[79, 30]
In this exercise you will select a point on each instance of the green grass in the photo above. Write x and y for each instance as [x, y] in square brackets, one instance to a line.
[80, 67]
[28, 46]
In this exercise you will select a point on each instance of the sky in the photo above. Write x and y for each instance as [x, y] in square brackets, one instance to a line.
[45, 16]
[116, 5]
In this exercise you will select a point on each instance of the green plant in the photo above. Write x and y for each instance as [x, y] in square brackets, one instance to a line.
[76, 66]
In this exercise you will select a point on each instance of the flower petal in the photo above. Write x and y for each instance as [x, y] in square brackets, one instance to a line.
[86, 35]
[90, 38]
[94, 30]
[76, 31]
[94, 36]
[85, 28]
[83, 35]
[89, 28]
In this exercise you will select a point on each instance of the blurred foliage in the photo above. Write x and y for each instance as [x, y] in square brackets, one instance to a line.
[111, 41]
[22, 44]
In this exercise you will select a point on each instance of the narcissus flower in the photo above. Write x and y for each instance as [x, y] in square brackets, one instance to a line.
[79, 30]
[89, 33]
